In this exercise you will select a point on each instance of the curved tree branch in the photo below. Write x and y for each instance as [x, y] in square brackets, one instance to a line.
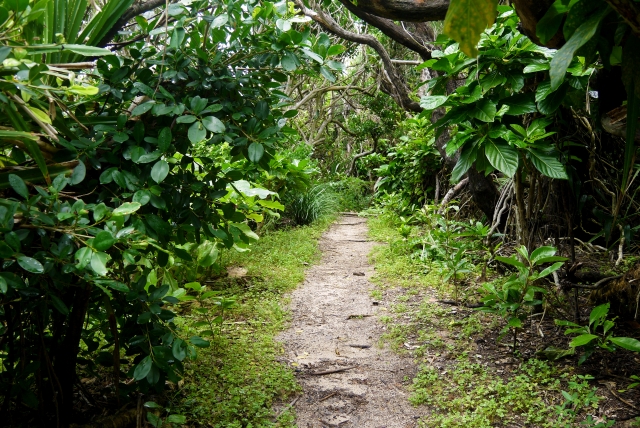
[400, 93]
[132, 12]
[406, 10]
[392, 30]
[363, 154]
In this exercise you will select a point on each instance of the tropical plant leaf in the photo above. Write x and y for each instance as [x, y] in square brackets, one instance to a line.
[502, 157]
[547, 164]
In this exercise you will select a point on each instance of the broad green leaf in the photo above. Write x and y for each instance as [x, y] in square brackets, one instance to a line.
[213, 124]
[289, 61]
[598, 312]
[103, 241]
[83, 256]
[160, 171]
[142, 108]
[466, 20]
[511, 261]
[484, 110]
[541, 252]
[255, 151]
[197, 132]
[19, 186]
[220, 20]
[467, 158]
[335, 50]
[4, 287]
[626, 343]
[432, 102]
[582, 340]
[520, 104]
[143, 368]
[99, 211]
[127, 208]
[187, 118]
[515, 322]
[78, 174]
[164, 139]
[199, 342]
[564, 55]
[547, 164]
[179, 350]
[99, 263]
[29, 264]
[83, 90]
[554, 267]
[502, 157]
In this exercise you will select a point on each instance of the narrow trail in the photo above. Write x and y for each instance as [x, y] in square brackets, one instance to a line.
[335, 326]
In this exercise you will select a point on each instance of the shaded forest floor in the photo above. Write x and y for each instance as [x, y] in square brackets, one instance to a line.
[468, 376]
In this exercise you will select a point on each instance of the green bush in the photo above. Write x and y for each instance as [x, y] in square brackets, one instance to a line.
[354, 194]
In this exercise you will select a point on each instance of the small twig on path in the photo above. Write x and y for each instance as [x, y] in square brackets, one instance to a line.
[358, 316]
[288, 407]
[610, 389]
[360, 346]
[324, 372]
[327, 396]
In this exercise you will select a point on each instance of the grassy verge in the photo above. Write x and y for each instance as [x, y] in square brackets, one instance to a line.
[460, 383]
[235, 382]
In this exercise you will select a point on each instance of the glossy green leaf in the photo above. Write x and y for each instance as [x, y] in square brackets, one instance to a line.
[626, 343]
[29, 264]
[432, 102]
[83, 257]
[164, 139]
[160, 171]
[502, 157]
[520, 104]
[213, 124]
[142, 108]
[199, 342]
[197, 132]
[582, 340]
[547, 164]
[598, 312]
[143, 368]
[484, 110]
[99, 263]
[103, 241]
[127, 208]
[255, 151]
[19, 186]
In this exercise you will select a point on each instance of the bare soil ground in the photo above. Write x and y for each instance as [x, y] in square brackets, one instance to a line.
[348, 380]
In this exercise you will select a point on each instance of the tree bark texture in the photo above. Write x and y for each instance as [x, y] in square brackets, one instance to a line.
[406, 10]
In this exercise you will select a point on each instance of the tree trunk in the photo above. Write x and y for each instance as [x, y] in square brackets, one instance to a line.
[66, 356]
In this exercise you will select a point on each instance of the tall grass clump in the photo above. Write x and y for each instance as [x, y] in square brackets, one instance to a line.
[316, 202]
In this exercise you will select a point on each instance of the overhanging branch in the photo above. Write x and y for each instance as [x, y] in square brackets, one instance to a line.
[400, 93]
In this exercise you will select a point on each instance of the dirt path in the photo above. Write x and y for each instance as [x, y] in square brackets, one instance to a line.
[335, 326]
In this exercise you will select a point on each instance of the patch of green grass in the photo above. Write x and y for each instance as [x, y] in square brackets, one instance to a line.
[235, 382]
[393, 262]
[473, 395]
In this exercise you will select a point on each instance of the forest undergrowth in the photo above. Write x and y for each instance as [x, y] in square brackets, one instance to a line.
[470, 375]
